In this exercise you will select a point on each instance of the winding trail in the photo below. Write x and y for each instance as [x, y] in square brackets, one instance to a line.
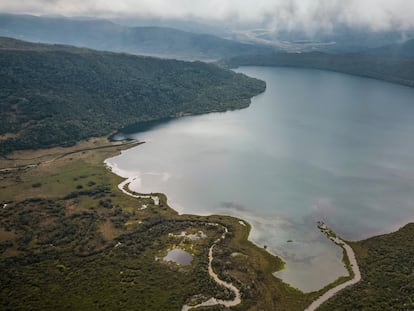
[234, 289]
[214, 301]
[352, 262]
[123, 186]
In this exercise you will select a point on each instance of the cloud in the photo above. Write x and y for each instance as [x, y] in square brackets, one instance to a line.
[279, 14]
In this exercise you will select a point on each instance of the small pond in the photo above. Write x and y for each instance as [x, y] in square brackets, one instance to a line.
[179, 256]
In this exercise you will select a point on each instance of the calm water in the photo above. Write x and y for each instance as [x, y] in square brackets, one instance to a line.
[179, 256]
[315, 146]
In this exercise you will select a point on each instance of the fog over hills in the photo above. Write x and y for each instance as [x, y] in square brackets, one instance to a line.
[291, 25]
[193, 40]
[400, 50]
[105, 35]
[338, 40]
[299, 15]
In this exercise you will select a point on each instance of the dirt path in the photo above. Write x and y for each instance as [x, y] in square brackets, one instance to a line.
[352, 262]
[214, 301]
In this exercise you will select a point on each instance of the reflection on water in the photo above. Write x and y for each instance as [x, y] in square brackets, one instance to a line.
[179, 256]
[315, 146]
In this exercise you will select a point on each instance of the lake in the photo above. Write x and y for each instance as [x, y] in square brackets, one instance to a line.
[315, 146]
[179, 256]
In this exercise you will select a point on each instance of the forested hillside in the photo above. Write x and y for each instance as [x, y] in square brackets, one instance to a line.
[396, 70]
[56, 95]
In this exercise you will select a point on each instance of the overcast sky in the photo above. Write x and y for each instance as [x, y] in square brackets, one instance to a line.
[311, 14]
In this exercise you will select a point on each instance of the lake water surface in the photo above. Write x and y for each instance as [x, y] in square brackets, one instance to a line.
[179, 256]
[315, 146]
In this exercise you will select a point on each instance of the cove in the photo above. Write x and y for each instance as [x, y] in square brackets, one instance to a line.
[314, 146]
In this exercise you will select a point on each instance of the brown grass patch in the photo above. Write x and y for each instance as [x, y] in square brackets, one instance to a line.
[8, 135]
[7, 235]
[108, 231]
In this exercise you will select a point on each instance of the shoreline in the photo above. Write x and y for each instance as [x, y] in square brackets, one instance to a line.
[225, 221]
[352, 266]
[131, 176]
[124, 187]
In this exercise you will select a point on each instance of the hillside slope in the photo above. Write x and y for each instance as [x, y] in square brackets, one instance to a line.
[57, 95]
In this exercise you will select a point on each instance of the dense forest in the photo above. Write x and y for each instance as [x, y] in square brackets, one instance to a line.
[56, 95]
[383, 67]
[386, 264]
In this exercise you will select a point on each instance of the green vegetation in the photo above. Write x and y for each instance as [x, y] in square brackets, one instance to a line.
[75, 241]
[386, 263]
[71, 240]
[250, 269]
[396, 70]
[57, 95]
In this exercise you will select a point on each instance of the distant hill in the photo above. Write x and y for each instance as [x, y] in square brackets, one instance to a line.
[104, 35]
[401, 50]
[396, 70]
[339, 39]
[56, 95]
